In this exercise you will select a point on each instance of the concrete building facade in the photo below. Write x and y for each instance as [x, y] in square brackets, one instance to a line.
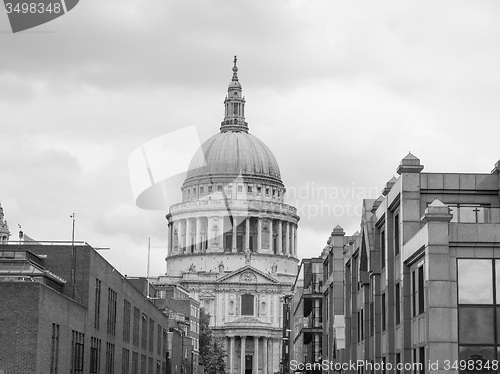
[232, 241]
[420, 283]
[307, 315]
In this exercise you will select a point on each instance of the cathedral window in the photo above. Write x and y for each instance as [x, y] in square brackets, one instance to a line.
[210, 189]
[247, 305]
[201, 190]
[265, 237]
[219, 188]
[267, 191]
[240, 189]
[259, 190]
[249, 189]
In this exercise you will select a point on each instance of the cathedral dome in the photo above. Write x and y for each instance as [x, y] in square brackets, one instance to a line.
[233, 153]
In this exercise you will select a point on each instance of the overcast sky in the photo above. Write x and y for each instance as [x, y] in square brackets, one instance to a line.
[340, 92]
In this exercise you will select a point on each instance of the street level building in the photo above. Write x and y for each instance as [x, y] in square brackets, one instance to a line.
[420, 283]
[232, 241]
[307, 314]
[65, 309]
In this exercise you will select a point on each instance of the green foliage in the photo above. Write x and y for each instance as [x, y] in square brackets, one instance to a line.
[212, 351]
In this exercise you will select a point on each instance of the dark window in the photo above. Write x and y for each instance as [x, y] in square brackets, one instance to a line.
[247, 305]
[97, 303]
[126, 320]
[249, 189]
[396, 234]
[144, 331]
[219, 188]
[421, 293]
[144, 363]
[383, 312]
[158, 339]
[201, 190]
[125, 361]
[259, 189]
[475, 325]
[77, 351]
[151, 334]
[110, 358]
[382, 249]
[95, 355]
[414, 292]
[210, 189]
[372, 319]
[267, 191]
[150, 365]
[111, 312]
[397, 300]
[135, 363]
[137, 317]
[54, 352]
[360, 325]
[422, 359]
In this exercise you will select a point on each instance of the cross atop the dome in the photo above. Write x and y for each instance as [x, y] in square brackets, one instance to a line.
[235, 60]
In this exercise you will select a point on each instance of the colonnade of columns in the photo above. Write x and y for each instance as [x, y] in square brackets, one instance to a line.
[193, 235]
[263, 361]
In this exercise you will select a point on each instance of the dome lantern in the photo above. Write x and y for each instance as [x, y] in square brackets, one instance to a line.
[234, 104]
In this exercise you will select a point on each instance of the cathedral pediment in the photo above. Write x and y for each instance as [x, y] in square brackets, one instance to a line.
[247, 274]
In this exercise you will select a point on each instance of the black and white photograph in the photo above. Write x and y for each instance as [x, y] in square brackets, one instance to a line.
[249, 187]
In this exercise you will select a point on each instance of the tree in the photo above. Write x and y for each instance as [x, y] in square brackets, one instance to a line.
[212, 351]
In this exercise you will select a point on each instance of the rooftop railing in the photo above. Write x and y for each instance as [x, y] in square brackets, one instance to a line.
[465, 213]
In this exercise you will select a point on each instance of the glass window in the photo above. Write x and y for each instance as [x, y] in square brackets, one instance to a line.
[497, 280]
[240, 189]
[219, 188]
[475, 325]
[247, 305]
[475, 284]
[249, 189]
[201, 190]
[467, 214]
[259, 189]
[476, 354]
[210, 189]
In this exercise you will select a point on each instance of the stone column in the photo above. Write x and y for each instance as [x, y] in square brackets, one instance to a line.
[259, 234]
[287, 238]
[188, 235]
[242, 359]
[280, 237]
[255, 355]
[271, 234]
[234, 233]
[231, 355]
[247, 233]
[198, 234]
[264, 356]
[294, 244]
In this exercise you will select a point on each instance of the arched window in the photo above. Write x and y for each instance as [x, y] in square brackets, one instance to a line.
[247, 305]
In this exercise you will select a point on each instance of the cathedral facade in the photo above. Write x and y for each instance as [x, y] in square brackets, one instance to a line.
[232, 241]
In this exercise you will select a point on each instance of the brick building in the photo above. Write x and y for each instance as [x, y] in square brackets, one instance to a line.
[421, 282]
[61, 313]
